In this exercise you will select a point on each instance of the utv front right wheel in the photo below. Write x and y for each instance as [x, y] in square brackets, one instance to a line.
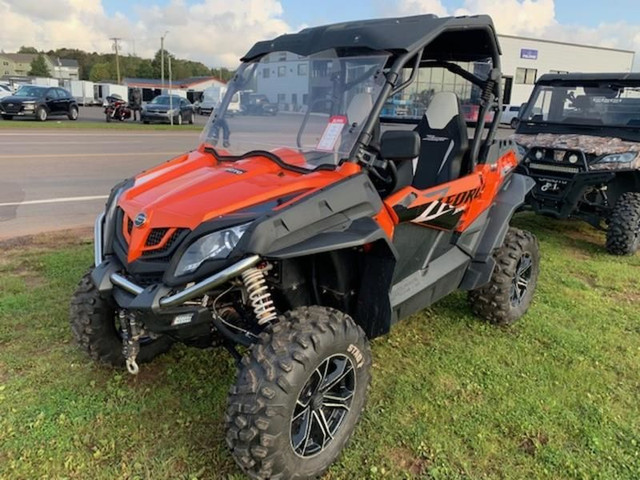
[623, 235]
[96, 330]
[508, 294]
[298, 395]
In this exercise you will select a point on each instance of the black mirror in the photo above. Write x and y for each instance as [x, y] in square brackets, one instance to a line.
[400, 145]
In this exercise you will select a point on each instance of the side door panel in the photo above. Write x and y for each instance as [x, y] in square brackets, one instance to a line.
[51, 100]
[439, 230]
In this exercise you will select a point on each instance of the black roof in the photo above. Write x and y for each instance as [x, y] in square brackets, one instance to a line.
[589, 77]
[450, 38]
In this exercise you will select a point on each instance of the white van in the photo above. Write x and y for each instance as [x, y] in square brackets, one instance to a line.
[212, 97]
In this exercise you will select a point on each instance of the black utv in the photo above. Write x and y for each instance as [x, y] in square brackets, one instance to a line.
[579, 136]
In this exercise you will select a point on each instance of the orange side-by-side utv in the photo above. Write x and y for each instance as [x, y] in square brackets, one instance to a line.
[295, 236]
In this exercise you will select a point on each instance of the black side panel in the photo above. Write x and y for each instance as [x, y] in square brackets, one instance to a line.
[511, 196]
[360, 232]
[332, 209]
[424, 287]
[418, 245]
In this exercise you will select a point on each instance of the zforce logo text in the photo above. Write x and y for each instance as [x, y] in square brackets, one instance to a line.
[462, 197]
[446, 211]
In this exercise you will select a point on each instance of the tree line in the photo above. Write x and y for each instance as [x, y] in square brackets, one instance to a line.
[98, 67]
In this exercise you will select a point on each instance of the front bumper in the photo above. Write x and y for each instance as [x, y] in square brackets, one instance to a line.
[157, 300]
[156, 117]
[20, 113]
[559, 194]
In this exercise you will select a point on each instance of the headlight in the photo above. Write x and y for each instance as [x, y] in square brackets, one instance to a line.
[619, 158]
[521, 151]
[28, 106]
[215, 245]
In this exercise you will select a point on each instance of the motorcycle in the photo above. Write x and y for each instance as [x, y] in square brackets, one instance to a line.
[117, 109]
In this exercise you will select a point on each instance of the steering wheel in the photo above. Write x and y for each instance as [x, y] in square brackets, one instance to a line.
[386, 175]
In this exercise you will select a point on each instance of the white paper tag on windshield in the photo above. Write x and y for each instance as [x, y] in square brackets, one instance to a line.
[332, 133]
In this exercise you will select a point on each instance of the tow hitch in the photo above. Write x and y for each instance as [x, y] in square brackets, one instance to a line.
[131, 334]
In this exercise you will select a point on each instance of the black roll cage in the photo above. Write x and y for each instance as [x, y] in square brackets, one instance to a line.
[490, 97]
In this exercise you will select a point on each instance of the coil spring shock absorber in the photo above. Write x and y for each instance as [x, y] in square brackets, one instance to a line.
[259, 296]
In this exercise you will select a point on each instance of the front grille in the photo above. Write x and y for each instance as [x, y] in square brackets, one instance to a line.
[167, 247]
[156, 236]
[554, 168]
[12, 109]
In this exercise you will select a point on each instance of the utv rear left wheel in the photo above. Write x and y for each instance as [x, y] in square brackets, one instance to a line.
[508, 294]
[298, 395]
[623, 235]
[95, 327]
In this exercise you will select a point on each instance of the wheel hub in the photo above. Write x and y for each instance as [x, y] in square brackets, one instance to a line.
[521, 279]
[323, 404]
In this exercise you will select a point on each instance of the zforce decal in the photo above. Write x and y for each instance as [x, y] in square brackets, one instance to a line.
[444, 212]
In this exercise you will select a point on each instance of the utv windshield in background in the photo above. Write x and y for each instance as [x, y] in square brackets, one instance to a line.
[589, 104]
[308, 110]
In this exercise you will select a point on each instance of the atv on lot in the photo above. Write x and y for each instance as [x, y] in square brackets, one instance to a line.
[293, 244]
[579, 136]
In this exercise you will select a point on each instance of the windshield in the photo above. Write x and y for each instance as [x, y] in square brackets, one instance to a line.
[308, 110]
[30, 91]
[589, 104]
[165, 100]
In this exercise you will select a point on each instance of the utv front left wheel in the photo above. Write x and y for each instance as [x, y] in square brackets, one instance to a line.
[95, 327]
[299, 394]
[508, 294]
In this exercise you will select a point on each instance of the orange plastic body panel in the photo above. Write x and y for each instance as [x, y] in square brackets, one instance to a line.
[472, 194]
[195, 187]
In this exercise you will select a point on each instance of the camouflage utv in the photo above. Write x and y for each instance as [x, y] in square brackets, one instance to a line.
[579, 136]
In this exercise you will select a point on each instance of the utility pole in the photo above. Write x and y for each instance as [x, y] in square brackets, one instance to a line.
[116, 47]
[162, 57]
[170, 94]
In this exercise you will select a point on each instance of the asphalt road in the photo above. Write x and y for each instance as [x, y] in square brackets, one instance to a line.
[57, 179]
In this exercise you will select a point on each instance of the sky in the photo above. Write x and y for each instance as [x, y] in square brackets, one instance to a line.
[218, 32]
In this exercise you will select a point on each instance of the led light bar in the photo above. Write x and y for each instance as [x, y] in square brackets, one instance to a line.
[554, 168]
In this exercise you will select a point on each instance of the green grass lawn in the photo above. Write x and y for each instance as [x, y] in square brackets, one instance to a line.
[555, 396]
[80, 125]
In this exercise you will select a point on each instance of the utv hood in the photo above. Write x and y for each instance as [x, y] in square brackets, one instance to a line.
[196, 188]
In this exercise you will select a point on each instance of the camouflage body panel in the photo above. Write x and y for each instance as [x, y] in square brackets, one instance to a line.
[585, 143]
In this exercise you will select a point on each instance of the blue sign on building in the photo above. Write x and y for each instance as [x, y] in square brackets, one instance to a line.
[528, 54]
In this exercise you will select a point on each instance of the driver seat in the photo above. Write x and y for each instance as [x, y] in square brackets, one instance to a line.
[444, 142]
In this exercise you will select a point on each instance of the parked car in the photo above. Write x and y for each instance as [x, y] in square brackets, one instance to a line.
[164, 107]
[510, 115]
[5, 91]
[39, 102]
[257, 104]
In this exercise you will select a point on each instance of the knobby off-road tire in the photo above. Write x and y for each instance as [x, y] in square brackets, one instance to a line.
[266, 413]
[93, 322]
[508, 294]
[623, 235]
